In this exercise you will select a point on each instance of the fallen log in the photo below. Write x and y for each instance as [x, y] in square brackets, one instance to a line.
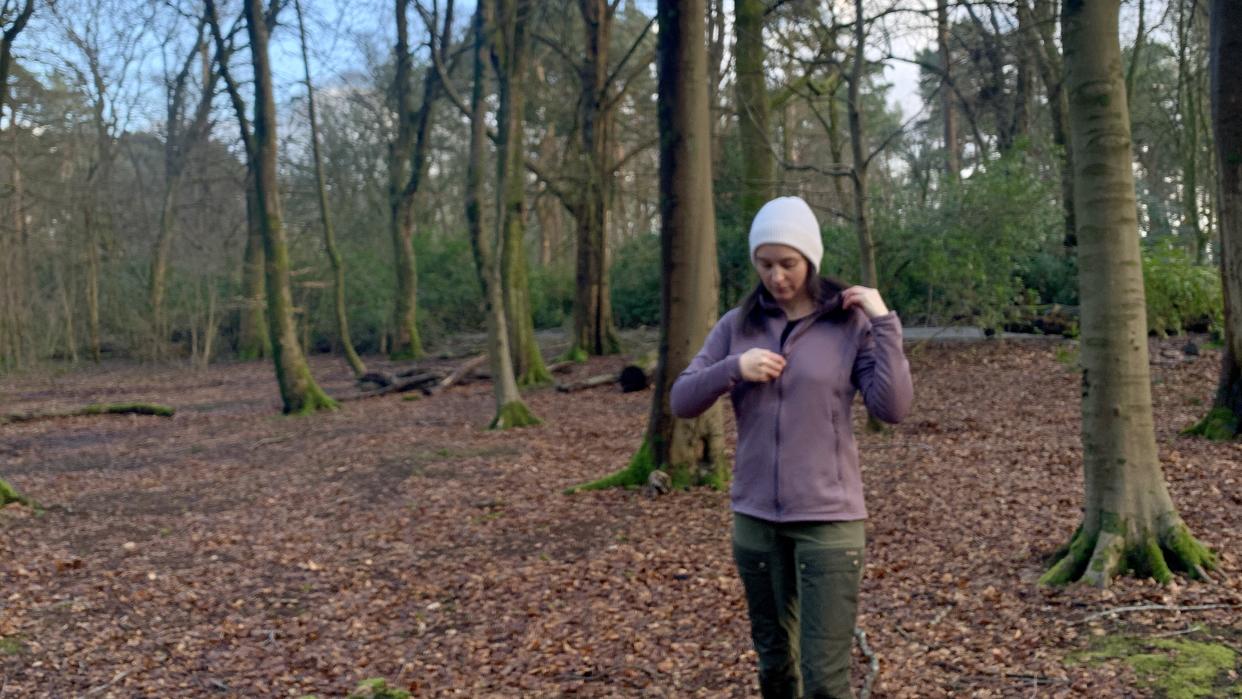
[463, 370]
[93, 409]
[589, 382]
[420, 382]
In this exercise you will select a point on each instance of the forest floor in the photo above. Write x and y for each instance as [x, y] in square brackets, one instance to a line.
[232, 552]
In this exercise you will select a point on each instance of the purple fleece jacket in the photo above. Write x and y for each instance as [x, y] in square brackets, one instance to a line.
[796, 456]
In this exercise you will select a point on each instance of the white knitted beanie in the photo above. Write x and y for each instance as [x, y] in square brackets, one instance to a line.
[788, 221]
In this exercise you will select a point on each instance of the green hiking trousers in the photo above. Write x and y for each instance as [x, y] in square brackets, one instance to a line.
[801, 581]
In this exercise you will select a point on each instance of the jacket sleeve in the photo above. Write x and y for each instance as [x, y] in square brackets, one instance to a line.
[712, 373]
[881, 371]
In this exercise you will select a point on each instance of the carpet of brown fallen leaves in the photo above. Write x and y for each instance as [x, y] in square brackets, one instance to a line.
[230, 551]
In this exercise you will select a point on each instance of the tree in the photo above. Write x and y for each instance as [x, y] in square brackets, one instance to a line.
[1129, 520]
[508, 32]
[298, 390]
[329, 234]
[1224, 421]
[862, 221]
[690, 451]
[510, 410]
[7, 493]
[752, 108]
[407, 166]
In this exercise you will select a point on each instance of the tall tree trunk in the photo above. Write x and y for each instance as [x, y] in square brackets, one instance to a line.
[1129, 521]
[1187, 103]
[510, 410]
[509, 40]
[690, 451]
[862, 222]
[329, 235]
[401, 172]
[594, 331]
[952, 160]
[253, 339]
[752, 108]
[298, 389]
[1224, 421]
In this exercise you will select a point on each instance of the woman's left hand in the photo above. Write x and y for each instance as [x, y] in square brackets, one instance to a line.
[866, 298]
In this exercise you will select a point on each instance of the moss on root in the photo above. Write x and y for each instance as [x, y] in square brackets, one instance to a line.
[513, 414]
[535, 376]
[574, 354]
[636, 473]
[1108, 553]
[1219, 425]
[9, 495]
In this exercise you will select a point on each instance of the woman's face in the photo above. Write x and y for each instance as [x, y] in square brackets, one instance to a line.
[783, 271]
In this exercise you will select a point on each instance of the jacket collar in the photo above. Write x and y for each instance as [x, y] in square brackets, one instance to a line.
[770, 307]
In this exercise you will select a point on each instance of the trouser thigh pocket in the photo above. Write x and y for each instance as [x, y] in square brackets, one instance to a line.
[828, 582]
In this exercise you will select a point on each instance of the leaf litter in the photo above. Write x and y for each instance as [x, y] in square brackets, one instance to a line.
[229, 551]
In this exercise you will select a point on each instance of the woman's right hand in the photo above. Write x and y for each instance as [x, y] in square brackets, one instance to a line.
[761, 365]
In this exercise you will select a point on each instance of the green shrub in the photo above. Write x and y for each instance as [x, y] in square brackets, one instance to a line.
[635, 282]
[552, 295]
[450, 298]
[965, 256]
[1181, 295]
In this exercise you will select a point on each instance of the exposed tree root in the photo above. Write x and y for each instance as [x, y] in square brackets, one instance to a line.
[1219, 425]
[513, 414]
[1116, 550]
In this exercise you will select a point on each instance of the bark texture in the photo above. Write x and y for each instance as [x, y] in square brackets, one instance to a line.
[510, 411]
[298, 390]
[690, 451]
[1129, 521]
[509, 54]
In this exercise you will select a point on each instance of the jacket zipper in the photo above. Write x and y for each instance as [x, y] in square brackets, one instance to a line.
[776, 470]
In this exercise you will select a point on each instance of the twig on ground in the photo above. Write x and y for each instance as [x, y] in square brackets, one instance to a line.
[873, 662]
[119, 676]
[1189, 629]
[1156, 608]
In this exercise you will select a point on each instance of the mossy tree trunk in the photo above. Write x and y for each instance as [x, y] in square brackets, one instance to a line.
[510, 410]
[758, 163]
[1129, 521]
[407, 166]
[508, 33]
[325, 214]
[298, 389]
[1224, 421]
[253, 340]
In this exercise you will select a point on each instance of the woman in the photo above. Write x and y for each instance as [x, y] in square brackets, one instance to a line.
[791, 358]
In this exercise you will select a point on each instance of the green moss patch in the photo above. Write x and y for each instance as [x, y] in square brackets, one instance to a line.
[1174, 668]
[11, 645]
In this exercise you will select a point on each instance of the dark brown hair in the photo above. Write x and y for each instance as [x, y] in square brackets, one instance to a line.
[820, 289]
